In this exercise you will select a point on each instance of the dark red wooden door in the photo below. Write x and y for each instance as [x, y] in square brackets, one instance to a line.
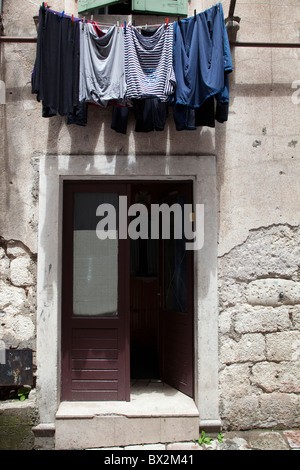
[95, 294]
[176, 315]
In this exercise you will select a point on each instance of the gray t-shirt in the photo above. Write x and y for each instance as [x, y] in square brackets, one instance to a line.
[102, 72]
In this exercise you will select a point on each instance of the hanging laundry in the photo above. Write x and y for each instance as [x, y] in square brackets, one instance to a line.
[102, 71]
[150, 114]
[184, 64]
[202, 62]
[119, 119]
[55, 77]
[187, 118]
[149, 63]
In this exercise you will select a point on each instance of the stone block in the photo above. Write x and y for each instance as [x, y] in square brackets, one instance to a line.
[84, 433]
[140, 430]
[235, 381]
[251, 347]
[21, 271]
[261, 319]
[16, 328]
[146, 447]
[283, 346]
[15, 249]
[276, 377]
[280, 410]
[12, 299]
[240, 413]
[184, 446]
[179, 428]
[274, 292]
[267, 440]
[293, 438]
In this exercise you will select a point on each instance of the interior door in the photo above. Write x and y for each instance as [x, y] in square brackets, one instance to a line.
[95, 294]
[176, 315]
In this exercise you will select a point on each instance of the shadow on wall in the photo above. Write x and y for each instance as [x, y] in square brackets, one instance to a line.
[97, 137]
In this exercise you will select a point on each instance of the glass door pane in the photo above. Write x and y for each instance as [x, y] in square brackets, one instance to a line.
[95, 259]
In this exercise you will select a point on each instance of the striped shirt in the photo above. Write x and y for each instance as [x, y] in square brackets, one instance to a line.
[149, 63]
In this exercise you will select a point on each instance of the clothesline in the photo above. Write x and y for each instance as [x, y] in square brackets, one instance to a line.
[83, 20]
[145, 72]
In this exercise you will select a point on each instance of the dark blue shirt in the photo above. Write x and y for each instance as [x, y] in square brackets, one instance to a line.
[202, 58]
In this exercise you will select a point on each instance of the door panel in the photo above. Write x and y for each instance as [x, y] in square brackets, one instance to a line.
[95, 300]
[177, 344]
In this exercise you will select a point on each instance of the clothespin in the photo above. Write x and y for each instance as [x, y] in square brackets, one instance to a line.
[178, 19]
[61, 16]
[72, 20]
[125, 27]
[83, 21]
[195, 14]
[167, 22]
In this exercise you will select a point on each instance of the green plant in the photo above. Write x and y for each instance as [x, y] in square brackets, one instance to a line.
[203, 439]
[23, 393]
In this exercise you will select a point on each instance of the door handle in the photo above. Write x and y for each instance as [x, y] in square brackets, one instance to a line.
[159, 295]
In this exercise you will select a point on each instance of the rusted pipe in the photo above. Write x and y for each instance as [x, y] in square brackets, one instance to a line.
[291, 45]
[17, 39]
[231, 8]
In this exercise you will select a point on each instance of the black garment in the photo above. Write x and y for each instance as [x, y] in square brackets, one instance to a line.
[150, 114]
[184, 117]
[119, 119]
[222, 110]
[79, 115]
[55, 78]
[207, 114]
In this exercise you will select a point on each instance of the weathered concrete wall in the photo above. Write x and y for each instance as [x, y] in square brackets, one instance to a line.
[258, 165]
[259, 288]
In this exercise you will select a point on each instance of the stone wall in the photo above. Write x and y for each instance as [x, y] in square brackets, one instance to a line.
[17, 294]
[259, 289]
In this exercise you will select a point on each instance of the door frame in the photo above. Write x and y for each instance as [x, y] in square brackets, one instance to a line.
[54, 169]
[168, 320]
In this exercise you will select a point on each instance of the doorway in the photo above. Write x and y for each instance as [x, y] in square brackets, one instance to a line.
[144, 293]
[128, 303]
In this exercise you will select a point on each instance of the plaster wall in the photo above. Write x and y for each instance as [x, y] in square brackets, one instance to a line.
[257, 200]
